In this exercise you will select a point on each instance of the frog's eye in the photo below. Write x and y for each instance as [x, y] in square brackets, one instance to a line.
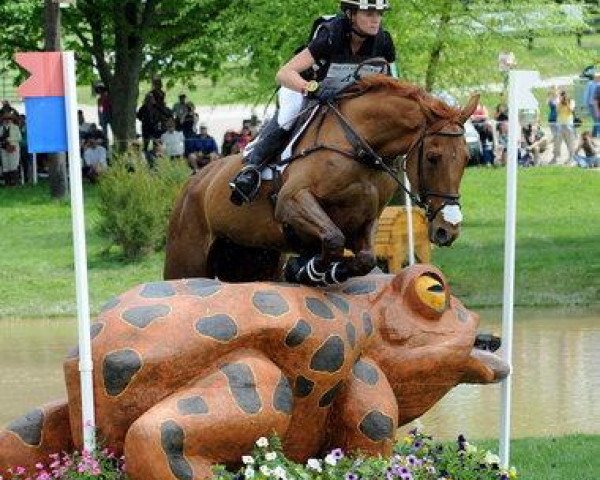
[431, 292]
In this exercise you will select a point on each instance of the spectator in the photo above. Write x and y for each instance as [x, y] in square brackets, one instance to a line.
[149, 116]
[104, 109]
[566, 129]
[589, 100]
[7, 109]
[536, 142]
[10, 150]
[486, 135]
[479, 118]
[157, 152]
[173, 140]
[84, 127]
[94, 159]
[180, 110]
[94, 133]
[524, 157]
[244, 138]
[229, 141]
[203, 145]
[26, 159]
[590, 158]
[188, 126]
[553, 122]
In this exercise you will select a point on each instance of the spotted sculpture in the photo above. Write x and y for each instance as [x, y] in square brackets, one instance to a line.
[190, 373]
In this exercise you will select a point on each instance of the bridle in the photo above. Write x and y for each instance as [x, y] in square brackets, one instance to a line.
[364, 153]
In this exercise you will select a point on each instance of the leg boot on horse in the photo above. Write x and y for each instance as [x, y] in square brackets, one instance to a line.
[269, 142]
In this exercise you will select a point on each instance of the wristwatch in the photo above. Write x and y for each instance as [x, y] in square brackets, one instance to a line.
[311, 87]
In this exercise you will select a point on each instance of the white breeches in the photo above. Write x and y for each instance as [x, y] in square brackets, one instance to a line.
[290, 104]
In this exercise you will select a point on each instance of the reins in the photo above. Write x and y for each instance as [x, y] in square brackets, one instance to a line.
[364, 154]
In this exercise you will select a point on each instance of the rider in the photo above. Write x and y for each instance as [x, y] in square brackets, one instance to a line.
[350, 37]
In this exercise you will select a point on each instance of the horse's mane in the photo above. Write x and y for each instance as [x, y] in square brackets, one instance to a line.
[428, 102]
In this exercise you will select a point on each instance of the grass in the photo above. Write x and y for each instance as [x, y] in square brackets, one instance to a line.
[572, 457]
[558, 246]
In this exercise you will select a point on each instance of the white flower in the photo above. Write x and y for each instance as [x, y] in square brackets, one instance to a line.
[266, 471]
[314, 464]
[249, 472]
[270, 456]
[262, 442]
[492, 458]
[331, 460]
[248, 460]
[280, 473]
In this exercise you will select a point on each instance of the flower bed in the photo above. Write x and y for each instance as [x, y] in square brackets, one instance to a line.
[416, 457]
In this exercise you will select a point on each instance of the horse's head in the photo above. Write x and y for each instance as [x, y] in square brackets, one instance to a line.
[437, 161]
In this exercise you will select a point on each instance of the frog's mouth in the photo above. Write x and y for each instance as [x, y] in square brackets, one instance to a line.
[484, 365]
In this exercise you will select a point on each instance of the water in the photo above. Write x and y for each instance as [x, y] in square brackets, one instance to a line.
[556, 382]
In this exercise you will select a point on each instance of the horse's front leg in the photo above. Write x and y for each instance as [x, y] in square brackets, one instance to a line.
[302, 212]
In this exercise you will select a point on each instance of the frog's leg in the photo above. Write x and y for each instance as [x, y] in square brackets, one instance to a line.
[215, 420]
[33, 437]
[365, 414]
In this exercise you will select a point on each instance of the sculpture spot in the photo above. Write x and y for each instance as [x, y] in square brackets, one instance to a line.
[319, 308]
[339, 302]
[158, 290]
[367, 324]
[203, 287]
[329, 396]
[192, 406]
[365, 372]
[463, 316]
[303, 387]
[220, 327]
[377, 426]
[95, 329]
[298, 334]
[118, 370]
[270, 303]
[360, 287]
[112, 303]
[171, 439]
[283, 400]
[243, 386]
[330, 356]
[351, 334]
[141, 317]
[29, 427]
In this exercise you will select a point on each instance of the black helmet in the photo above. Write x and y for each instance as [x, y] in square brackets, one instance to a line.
[365, 5]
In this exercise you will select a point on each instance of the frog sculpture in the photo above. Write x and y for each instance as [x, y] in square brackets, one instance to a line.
[190, 373]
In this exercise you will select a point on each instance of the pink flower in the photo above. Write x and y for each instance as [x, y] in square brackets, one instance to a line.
[20, 471]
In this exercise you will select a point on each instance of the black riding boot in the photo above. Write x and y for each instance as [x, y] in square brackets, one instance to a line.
[269, 142]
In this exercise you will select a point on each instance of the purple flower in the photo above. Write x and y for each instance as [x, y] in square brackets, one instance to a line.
[351, 476]
[338, 453]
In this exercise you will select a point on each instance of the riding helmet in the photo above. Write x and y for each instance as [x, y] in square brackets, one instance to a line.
[365, 5]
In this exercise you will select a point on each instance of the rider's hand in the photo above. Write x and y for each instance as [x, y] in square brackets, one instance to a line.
[317, 91]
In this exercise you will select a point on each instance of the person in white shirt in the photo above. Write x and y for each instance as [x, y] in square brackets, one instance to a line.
[94, 160]
[173, 141]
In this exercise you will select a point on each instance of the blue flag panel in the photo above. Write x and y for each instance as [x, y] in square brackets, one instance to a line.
[46, 124]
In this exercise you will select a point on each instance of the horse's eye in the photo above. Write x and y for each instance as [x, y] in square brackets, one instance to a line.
[434, 157]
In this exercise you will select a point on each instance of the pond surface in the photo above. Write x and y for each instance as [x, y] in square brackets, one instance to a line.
[556, 382]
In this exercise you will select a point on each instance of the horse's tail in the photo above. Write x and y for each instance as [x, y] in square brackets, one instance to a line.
[32, 438]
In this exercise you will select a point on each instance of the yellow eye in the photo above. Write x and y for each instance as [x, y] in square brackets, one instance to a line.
[431, 292]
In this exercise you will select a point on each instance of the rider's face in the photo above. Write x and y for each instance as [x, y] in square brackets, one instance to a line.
[367, 22]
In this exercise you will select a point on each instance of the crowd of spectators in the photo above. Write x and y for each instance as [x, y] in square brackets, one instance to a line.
[538, 145]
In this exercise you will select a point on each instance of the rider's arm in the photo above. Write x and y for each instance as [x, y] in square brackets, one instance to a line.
[289, 75]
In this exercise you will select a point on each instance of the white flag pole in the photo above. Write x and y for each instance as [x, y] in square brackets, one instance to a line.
[409, 222]
[509, 263]
[79, 245]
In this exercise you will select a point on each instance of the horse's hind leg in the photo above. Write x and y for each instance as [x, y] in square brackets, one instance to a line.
[33, 437]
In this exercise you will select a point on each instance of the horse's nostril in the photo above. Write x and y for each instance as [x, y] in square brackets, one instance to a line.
[441, 236]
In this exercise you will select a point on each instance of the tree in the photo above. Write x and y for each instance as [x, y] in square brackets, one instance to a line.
[124, 41]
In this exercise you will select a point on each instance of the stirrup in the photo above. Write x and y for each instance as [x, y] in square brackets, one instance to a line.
[238, 196]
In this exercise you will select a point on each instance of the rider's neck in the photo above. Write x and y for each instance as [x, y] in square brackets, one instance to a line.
[356, 42]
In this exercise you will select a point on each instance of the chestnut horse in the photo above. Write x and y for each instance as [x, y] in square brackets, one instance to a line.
[328, 200]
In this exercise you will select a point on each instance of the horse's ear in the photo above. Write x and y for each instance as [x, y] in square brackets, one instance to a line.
[469, 108]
